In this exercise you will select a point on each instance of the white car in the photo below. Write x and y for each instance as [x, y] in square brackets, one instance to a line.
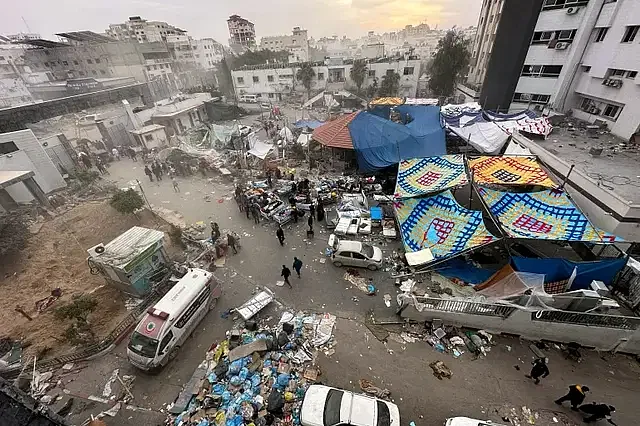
[466, 421]
[326, 406]
[355, 253]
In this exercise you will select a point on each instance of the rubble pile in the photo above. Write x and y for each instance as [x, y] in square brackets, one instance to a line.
[258, 375]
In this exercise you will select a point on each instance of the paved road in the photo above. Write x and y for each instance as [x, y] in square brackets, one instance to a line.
[478, 388]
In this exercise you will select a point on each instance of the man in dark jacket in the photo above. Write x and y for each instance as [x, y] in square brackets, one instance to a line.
[598, 412]
[575, 396]
[286, 273]
[538, 370]
[280, 235]
[297, 265]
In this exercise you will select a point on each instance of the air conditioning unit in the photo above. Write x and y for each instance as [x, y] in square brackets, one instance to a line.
[615, 82]
[605, 82]
[572, 10]
[561, 46]
[593, 110]
[96, 250]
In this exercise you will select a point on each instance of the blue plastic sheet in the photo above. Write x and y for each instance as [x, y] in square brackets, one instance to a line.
[312, 124]
[465, 271]
[561, 269]
[380, 143]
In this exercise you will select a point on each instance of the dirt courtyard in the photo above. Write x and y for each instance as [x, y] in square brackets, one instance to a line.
[56, 257]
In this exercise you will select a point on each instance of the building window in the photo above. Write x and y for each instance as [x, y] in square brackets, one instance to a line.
[631, 74]
[7, 148]
[148, 138]
[256, 79]
[408, 71]
[616, 72]
[630, 34]
[561, 4]
[82, 73]
[611, 111]
[541, 70]
[103, 72]
[270, 78]
[65, 63]
[320, 76]
[601, 33]
[240, 80]
[97, 61]
[89, 61]
[94, 72]
[390, 72]
[585, 68]
[271, 95]
[531, 98]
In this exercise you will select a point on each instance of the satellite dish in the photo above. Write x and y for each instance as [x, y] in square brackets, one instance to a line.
[99, 249]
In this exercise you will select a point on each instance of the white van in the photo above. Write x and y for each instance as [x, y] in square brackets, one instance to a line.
[252, 99]
[166, 325]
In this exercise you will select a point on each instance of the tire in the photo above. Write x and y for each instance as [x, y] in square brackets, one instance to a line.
[337, 263]
[372, 267]
[213, 304]
[173, 354]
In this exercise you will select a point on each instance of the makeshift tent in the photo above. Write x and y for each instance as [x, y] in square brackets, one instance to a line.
[465, 271]
[485, 136]
[513, 284]
[514, 148]
[421, 101]
[380, 143]
[451, 109]
[439, 225]
[496, 116]
[505, 170]
[257, 147]
[286, 134]
[545, 215]
[304, 139]
[421, 176]
[336, 133]
[312, 124]
[387, 101]
[604, 270]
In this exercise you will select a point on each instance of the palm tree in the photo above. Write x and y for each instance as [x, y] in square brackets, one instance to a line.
[358, 73]
[305, 74]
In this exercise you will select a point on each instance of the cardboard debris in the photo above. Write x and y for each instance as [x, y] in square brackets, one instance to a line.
[248, 349]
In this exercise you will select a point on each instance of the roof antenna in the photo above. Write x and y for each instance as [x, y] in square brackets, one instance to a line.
[25, 23]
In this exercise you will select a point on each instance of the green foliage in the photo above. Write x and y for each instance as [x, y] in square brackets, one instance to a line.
[305, 74]
[372, 89]
[175, 234]
[358, 73]
[258, 57]
[13, 233]
[127, 202]
[87, 176]
[449, 63]
[390, 85]
[78, 309]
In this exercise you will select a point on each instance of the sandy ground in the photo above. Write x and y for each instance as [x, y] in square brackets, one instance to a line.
[56, 258]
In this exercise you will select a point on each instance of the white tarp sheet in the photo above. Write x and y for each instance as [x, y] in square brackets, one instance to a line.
[514, 148]
[260, 149]
[286, 134]
[486, 137]
[304, 139]
[451, 109]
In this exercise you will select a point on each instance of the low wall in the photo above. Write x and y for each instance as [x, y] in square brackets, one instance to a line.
[604, 332]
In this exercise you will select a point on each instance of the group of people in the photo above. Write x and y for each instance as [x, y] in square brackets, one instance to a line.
[575, 396]
[231, 241]
[157, 169]
[116, 152]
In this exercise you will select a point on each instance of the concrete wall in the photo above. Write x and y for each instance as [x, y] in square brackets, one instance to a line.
[19, 409]
[46, 173]
[19, 161]
[523, 323]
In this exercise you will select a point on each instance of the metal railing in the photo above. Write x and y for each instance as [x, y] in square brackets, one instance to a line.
[587, 319]
[466, 307]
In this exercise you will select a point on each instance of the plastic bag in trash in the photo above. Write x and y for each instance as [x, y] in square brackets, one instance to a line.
[235, 421]
[255, 380]
[282, 381]
[275, 403]
[226, 396]
[218, 389]
[289, 397]
[212, 377]
[203, 422]
[235, 366]
[220, 418]
[244, 373]
[236, 381]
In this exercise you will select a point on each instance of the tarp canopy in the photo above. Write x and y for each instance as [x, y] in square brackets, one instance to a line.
[221, 135]
[505, 170]
[439, 224]
[421, 101]
[543, 215]
[220, 111]
[260, 149]
[451, 109]
[604, 270]
[312, 124]
[485, 136]
[380, 143]
[286, 134]
[460, 269]
[304, 139]
[421, 176]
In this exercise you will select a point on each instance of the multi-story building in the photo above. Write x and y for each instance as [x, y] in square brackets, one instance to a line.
[279, 82]
[13, 76]
[208, 53]
[142, 31]
[12, 38]
[297, 44]
[562, 55]
[242, 32]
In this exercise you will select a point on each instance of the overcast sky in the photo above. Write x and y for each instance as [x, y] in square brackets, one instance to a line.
[207, 18]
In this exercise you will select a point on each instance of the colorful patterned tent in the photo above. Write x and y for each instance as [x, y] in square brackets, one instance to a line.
[440, 224]
[505, 170]
[421, 176]
[387, 101]
[544, 215]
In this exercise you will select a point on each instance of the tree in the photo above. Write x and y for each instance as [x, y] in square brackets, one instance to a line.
[449, 63]
[127, 202]
[358, 73]
[78, 311]
[372, 89]
[259, 57]
[390, 84]
[305, 74]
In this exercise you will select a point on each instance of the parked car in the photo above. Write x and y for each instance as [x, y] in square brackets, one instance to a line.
[326, 406]
[265, 105]
[355, 253]
[466, 421]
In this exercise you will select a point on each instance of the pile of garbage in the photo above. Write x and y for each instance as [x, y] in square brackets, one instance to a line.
[258, 375]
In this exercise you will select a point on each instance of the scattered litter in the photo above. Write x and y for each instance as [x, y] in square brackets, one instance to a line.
[323, 260]
[440, 370]
[368, 387]
[280, 283]
[68, 366]
[106, 392]
[387, 300]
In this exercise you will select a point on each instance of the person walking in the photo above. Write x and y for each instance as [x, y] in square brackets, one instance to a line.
[246, 205]
[280, 235]
[297, 265]
[310, 221]
[215, 231]
[155, 168]
[538, 370]
[320, 211]
[575, 396]
[101, 168]
[286, 273]
[116, 154]
[148, 172]
[598, 412]
[133, 154]
[232, 242]
[255, 212]
[176, 188]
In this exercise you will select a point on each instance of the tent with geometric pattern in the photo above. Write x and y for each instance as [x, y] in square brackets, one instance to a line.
[421, 176]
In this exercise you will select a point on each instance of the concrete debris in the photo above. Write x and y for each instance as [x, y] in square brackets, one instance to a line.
[440, 370]
[106, 392]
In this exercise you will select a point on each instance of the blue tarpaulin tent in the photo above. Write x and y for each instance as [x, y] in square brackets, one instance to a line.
[554, 269]
[312, 124]
[380, 143]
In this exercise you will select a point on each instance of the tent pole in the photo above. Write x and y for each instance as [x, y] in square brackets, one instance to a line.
[471, 189]
[566, 178]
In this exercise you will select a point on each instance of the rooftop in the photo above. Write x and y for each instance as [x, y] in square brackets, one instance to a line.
[180, 106]
[147, 129]
[616, 168]
[129, 245]
[9, 177]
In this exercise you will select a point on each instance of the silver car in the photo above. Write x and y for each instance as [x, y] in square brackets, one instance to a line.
[355, 253]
